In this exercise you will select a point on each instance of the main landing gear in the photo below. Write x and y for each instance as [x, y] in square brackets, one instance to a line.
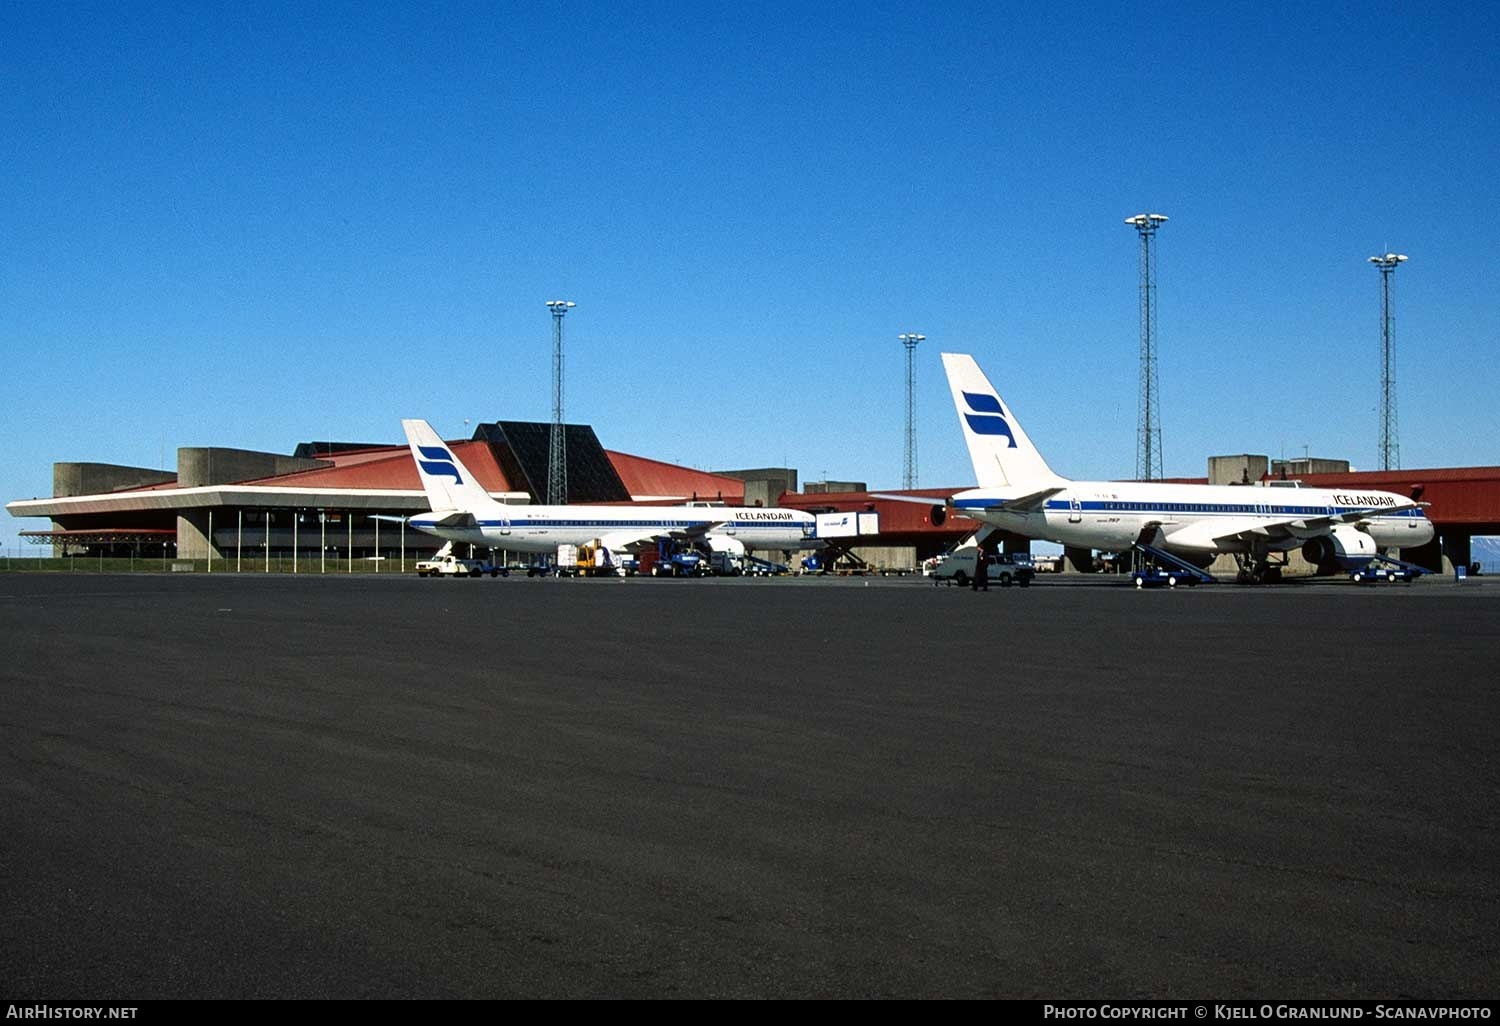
[1259, 569]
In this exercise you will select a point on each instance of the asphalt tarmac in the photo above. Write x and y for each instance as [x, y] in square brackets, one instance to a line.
[221, 786]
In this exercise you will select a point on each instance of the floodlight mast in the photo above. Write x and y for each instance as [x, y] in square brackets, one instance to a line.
[1390, 445]
[557, 451]
[1148, 461]
[909, 461]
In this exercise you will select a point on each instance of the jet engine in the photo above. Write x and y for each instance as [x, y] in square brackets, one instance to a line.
[1344, 548]
[726, 543]
[937, 516]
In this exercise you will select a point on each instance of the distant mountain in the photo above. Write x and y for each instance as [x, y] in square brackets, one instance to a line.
[1485, 550]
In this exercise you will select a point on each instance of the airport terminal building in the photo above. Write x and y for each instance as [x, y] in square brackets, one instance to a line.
[345, 501]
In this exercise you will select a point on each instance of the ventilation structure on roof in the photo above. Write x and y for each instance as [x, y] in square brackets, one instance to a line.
[522, 448]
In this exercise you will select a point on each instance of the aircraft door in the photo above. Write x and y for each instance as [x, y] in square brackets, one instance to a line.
[505, 525]
[1075, 511]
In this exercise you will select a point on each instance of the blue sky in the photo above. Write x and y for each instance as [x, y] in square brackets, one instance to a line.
[254, 225]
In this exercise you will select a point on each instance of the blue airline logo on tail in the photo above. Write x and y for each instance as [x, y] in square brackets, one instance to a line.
[439, 463]
[988, 416]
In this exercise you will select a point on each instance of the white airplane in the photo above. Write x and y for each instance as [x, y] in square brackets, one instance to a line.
[462, 511]
[1020, 493]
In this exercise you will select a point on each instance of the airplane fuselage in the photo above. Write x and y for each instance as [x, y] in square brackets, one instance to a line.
[1112, 515]
[543, 529]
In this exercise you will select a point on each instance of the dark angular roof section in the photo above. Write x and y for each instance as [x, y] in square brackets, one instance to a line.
[327, 450]
[522, 448]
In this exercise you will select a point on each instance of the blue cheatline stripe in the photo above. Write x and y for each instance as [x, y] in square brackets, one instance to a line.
[1199, 508]
[663, 524]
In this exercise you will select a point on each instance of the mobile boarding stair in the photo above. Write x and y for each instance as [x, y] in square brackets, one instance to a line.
[1387, 568]
[1160, 567]
[756, 565]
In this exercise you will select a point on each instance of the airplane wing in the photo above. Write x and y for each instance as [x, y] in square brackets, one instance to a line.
[1206, 533]
[1032, 502]
[1354, 516]
[1211, 534]
[702, 530]
[634, 541]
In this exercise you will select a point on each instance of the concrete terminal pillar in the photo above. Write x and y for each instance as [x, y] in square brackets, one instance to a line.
[1457, 549]
[1429, 555]
[1081, 560]
[192, 536]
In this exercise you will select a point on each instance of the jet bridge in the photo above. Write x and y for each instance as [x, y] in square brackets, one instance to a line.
[846, 525]
[840, 532]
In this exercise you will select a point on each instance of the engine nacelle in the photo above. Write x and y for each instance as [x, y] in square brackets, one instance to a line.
[937, 516]
[1344, 548]
[725, 543]
[1201, 560]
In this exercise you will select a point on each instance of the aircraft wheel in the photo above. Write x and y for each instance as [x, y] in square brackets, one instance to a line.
[960, 578]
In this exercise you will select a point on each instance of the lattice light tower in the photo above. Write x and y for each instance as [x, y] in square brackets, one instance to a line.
[909, 463]
[1390, 446]
[557, 451]
[1148, 462]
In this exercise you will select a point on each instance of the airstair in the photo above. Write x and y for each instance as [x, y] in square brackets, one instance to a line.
[1175, 566]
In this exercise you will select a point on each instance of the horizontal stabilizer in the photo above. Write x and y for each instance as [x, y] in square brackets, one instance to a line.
[452, 518]
[918, 499]
[1030, 503]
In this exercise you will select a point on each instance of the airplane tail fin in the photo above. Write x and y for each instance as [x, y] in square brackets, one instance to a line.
[1003, 456]
[448, 483]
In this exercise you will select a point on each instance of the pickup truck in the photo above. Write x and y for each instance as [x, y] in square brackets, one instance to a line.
[452, 566]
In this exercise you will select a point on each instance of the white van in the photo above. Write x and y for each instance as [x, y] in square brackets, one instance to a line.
[1005, 568]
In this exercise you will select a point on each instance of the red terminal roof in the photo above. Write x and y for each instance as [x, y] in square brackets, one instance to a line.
[392, 468]
[646, 477]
